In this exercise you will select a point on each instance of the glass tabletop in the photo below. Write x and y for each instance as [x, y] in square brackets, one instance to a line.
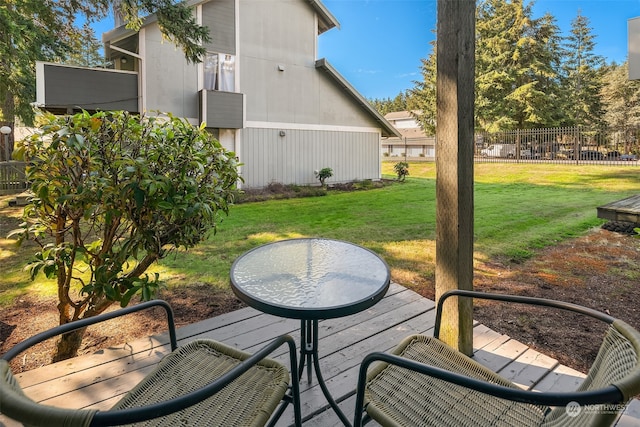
[310, 278]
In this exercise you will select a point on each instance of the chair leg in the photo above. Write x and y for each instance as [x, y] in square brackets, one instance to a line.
[362, 380]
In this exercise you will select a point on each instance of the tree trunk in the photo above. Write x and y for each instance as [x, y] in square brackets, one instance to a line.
[68, 345]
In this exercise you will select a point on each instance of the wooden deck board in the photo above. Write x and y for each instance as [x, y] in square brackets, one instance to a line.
[98, 380]
[626, 210]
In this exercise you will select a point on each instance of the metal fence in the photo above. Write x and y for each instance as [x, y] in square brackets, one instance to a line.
[12, 177]
[560, 145]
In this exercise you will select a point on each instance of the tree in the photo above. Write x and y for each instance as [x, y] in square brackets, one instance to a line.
[582, 76]
[402, 170]
[422, 97]
[517, 63]
[114, 193]
[37, 30]
[515, 66]
[323, 174]
[388, 105]
[621, 101]
[85, 49]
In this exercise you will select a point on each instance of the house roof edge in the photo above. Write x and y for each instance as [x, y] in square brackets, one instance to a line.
[386, 127]
[328, 21]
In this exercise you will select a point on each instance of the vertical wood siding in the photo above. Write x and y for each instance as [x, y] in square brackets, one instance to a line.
[293, 158]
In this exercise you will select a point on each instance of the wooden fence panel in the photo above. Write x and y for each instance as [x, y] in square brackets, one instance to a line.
[12, 177]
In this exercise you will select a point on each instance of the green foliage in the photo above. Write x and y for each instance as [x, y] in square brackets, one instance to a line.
[516, 66]
[388, 105]
[176, 20]
[85, 49]
[422, 98]
[323, 174]
[582, 76]
[402, 170]
[621, 99]
[114, 193]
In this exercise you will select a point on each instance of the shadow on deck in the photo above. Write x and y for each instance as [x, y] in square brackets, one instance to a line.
[100, 379]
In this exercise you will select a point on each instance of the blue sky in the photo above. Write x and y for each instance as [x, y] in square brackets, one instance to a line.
[381, 42]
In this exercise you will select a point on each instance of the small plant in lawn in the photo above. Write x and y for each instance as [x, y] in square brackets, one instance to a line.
[402, 170]
[323, 174]
[114, 193]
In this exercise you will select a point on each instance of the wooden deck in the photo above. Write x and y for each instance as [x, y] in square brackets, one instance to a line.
[99, 379]
[625, 210]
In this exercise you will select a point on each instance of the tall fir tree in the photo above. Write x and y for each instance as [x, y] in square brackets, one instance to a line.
[621, 103]
[516, 74]
[582, 76]
[388, 105]
[620, 98]
[422, 97]
[86, 49]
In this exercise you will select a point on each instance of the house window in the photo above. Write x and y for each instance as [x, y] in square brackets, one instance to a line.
[219, 72]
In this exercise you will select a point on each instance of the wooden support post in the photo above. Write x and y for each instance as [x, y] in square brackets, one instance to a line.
[454, 166]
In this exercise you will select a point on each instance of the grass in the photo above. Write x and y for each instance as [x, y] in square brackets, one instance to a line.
[519, 208]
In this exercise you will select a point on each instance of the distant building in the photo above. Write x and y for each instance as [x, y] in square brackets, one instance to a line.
[261, 90]
[413, 143]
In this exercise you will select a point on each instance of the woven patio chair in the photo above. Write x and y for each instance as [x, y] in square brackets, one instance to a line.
[424, 382]
[203, 383]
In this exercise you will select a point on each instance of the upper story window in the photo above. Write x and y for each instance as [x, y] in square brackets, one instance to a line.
[219, 72]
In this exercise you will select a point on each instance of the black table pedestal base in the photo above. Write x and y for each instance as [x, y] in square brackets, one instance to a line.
[309, 356]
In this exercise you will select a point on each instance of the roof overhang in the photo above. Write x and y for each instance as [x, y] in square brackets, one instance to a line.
[326, 20]
[386, 127]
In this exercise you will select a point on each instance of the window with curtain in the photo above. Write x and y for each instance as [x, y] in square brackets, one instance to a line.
[219, 72]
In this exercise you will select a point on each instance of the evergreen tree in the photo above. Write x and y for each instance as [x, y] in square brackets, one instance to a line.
[620, 98]
[516, 74]
[582, 76]
[388, 105]
[422, 97]
[86, 49]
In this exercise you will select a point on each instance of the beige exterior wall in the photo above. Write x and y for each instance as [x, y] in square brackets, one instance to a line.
[294, 156]
[171, 83]
[278, 72]
[298, 119]
[634, 48]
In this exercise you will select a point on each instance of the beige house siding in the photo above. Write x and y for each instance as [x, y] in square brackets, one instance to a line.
[634, 48]
[294, 156]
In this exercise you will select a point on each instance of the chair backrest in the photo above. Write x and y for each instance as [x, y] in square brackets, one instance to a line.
[617, 363]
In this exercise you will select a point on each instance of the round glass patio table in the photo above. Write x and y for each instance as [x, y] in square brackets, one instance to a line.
[310, 279]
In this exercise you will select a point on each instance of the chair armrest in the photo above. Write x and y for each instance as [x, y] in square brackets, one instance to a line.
[610, 394]
[517, 299]
[134, 415]
[83, 323]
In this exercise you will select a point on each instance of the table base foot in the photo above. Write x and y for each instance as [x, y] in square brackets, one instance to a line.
[309, 356]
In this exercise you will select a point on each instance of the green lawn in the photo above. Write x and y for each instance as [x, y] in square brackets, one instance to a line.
[518, 208]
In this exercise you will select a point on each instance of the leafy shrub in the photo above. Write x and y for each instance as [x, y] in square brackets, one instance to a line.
[323, 174]
[114, 193]
[402, 170]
